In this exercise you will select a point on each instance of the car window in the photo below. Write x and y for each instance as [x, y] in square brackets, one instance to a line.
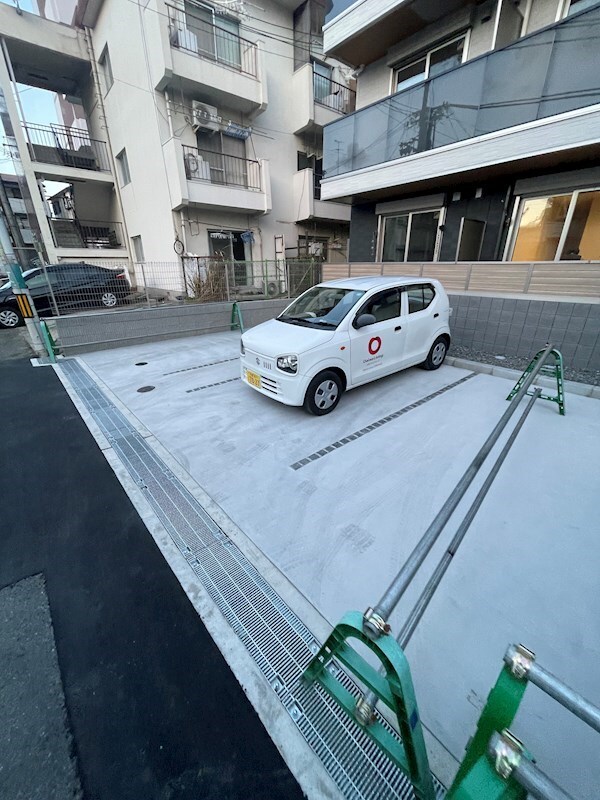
[385, 305]
[419, 297]
[36, 281]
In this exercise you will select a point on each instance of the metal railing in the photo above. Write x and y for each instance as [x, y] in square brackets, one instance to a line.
[333, 95]
[212, 167]
[69, 147]
[317, 178]
[191, 33]
[81, 233]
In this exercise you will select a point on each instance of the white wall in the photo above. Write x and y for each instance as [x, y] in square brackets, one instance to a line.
[138, 120]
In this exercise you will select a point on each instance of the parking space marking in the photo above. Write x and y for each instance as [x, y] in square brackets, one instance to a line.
[209, 385]
[200, 366]
[383, 421]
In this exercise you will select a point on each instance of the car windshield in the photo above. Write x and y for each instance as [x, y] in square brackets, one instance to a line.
[321, 307]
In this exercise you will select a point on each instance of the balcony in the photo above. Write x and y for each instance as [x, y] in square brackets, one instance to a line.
[219, 181]
[318, 100]
[308, 203]
[65, 149]
[209, 58]
[78, 234]
[534, 97]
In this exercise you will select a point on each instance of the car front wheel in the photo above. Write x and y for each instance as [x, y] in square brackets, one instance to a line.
[437, 354]
[10, 317]
[323, 393]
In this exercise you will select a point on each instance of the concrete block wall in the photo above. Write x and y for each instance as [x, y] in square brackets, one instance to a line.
[81, 333]
[514, 327]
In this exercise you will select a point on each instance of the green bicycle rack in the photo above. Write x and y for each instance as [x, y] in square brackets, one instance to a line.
[236, 318]
[394, 688]
[550, 371]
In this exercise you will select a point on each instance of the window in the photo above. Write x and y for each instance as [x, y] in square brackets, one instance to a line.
[138, 249]
[226, 159]
[211, 35]
[410, 237]
[419, 297]
[106, 69]
[564, 227]
[322, 74]
[434, 62]
[123, 163]
[385, 305]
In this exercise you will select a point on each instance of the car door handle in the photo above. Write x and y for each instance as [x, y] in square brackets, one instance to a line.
[398, 328]
[435, 315]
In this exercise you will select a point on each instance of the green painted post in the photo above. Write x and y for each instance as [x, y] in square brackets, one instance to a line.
[482, 782]
[236, 318]
[499, 711]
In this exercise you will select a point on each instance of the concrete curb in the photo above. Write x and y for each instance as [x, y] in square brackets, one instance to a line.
[571, 387]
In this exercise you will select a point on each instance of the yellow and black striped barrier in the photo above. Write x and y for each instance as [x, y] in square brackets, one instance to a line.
[24, 306]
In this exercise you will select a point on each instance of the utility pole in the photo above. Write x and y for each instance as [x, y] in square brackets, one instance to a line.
[20, 290]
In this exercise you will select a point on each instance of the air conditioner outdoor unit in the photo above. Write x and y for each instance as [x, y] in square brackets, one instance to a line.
[205, 117]
[196, 167]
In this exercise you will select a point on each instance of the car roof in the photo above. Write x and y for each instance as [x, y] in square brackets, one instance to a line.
[368, 282]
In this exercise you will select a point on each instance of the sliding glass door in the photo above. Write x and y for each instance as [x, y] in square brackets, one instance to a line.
[410, 237]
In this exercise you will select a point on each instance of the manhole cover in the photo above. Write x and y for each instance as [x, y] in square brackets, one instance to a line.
[146, 388]
[141, 363]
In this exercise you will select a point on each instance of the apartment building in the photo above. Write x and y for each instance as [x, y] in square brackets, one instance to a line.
[476, 136]
[14, 217]
[189, 127]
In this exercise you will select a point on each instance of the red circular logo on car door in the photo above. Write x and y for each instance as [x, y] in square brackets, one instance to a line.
[374, 345]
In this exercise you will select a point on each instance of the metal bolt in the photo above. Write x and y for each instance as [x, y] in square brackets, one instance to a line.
[506, 751]
[374, 625]
[295, 713]
[364, 712]
[519, 659]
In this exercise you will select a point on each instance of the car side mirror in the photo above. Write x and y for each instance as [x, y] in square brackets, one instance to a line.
[363, 320]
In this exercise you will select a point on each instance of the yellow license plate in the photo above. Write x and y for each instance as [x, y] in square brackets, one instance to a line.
[253, 379]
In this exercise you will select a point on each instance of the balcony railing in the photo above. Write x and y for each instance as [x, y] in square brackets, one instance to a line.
[546, 73]
[333, 95]
[211, 167]
[69, 147]
[206, 40]
[317, 178]
[90, 234]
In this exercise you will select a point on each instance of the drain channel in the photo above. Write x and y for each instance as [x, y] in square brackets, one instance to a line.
[276, 638]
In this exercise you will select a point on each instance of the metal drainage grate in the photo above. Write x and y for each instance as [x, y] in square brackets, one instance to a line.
[277, 639]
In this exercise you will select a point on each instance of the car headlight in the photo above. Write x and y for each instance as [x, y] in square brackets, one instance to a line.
[242, 348]
[288, 364]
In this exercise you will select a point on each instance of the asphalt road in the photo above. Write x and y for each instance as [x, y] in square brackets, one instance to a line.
[152, 706]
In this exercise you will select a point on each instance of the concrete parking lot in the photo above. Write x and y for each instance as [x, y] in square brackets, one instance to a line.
[337, 504]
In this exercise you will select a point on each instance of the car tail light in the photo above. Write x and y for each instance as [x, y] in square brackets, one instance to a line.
[122, 276]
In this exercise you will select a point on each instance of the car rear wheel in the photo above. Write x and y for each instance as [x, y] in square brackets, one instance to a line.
[109, 299]
[10, 318]
[323, 393]
[437, 354]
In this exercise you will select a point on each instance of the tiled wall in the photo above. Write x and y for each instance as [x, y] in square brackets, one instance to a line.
[522, 327]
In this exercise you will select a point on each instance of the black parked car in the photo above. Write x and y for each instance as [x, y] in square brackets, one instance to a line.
[73, 286]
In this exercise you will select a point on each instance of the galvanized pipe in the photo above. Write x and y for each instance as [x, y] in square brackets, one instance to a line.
[402, 580]
[432, 584]
[528, 669]
[507, 755]
[538, 784]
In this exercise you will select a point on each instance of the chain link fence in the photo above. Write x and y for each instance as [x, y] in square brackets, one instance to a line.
[68, 288]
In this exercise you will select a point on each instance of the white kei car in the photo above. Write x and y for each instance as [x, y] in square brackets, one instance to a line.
[345, 333]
